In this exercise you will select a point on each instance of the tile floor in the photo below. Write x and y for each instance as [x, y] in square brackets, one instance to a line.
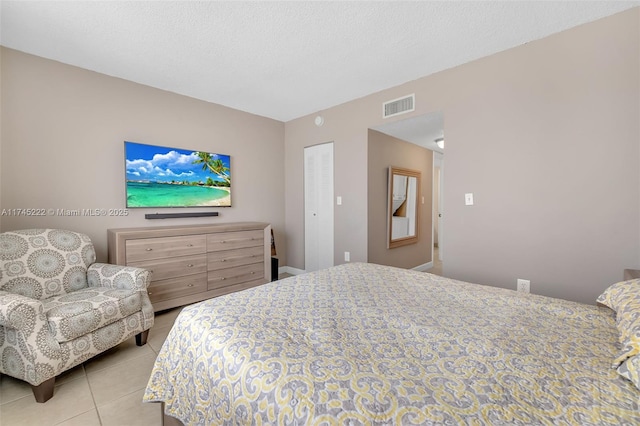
[106, 390]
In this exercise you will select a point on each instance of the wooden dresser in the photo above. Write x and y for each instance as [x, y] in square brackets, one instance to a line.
[190, 263]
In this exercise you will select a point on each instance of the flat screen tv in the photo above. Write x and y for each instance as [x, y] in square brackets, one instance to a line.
[158, 176]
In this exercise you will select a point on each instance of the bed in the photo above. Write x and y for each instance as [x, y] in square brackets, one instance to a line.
[365, 344]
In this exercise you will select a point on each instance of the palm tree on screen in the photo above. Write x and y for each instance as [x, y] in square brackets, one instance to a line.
[215, 166]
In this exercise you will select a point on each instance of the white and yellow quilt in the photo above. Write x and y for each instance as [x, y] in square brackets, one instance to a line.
[364, 344]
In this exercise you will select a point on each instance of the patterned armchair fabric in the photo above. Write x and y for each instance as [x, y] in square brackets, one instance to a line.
[59, 308]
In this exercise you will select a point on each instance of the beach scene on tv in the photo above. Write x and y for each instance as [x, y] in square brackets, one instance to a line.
[171, 177]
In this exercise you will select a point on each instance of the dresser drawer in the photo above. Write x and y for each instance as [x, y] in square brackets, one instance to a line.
[226, 277]
[163, 269]
[231, 258]
[190, 263]
[234, 240]
[162, 247]
[177, 287]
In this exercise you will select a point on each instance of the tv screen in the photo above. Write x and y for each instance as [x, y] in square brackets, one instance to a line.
[158, 176]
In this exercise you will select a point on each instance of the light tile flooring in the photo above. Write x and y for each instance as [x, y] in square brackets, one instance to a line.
[106, 390]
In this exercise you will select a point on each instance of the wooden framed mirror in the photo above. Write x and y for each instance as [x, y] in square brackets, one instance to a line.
[403, 210]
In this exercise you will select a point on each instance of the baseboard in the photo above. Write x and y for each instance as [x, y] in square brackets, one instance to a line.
[290, 270]
[424, 267]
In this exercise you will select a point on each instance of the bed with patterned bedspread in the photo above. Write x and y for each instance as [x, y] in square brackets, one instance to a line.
[365, 344]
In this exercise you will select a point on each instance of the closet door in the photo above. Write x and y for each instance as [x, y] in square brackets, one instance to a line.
[318, 207]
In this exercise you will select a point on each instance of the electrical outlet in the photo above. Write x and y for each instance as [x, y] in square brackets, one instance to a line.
[347, 256]
[523, 285]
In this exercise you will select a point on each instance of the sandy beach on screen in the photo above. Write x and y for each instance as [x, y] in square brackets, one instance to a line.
[224, 201]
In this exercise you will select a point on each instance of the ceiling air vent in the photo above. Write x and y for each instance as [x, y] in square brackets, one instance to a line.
[399, 106]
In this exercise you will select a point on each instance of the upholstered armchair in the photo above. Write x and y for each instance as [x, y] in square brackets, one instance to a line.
[58, 308]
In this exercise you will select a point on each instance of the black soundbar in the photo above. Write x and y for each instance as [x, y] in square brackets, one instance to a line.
[178, 215]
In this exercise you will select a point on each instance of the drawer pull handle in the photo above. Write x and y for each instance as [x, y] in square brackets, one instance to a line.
[223, 260]
[148, 249]
[252, 273]
[149, 293]
[190, 265]
[189, 285]
[189, 245]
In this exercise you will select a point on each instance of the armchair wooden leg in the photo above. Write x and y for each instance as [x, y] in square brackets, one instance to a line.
[44, 391]
[141, 338]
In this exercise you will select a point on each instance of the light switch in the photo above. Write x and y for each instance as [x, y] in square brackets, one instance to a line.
[339, 200]
[468, 199]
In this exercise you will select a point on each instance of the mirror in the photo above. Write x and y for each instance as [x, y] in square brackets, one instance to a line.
[403, 208]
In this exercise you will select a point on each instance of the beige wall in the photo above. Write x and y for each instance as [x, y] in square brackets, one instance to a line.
[62, 147]
[346, 126]
[385, 151]
[545, 135]
[1, 134]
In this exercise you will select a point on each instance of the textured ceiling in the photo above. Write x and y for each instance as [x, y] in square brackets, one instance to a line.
[282, 60]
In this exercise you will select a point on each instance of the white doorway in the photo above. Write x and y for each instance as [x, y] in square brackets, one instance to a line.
[318, 207]
[424, 130]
